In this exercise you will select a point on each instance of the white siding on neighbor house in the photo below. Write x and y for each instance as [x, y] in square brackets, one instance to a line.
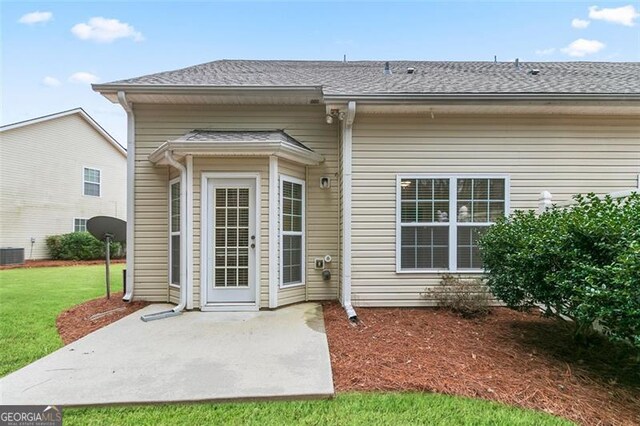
[561, 154]
[41, 181]
[156, 124]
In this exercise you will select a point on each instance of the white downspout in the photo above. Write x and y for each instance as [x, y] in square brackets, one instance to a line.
[347, 166]
[131, 176]
[183, 244]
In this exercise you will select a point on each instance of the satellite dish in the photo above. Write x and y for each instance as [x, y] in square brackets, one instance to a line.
[108, 229]
[101, 226]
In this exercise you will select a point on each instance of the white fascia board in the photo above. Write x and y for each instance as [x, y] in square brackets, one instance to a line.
[235, 149]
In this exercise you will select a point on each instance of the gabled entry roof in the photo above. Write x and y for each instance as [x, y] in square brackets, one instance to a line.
[242, 143]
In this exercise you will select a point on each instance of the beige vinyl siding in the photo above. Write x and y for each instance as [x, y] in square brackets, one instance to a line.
[157, 123]
[561, 154]
[41, 181]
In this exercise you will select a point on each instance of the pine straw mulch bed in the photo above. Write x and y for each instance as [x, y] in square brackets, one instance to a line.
[512, 357]
[52, 263]
[89, 316]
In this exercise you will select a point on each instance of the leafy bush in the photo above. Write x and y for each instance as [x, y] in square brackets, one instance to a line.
[467, 297]
[79, 246]
[581, 262]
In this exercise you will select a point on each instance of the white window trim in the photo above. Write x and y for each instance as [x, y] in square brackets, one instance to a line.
[302, 233]
[73, 226]
[99, 183]
[453, 218]
[172, 233]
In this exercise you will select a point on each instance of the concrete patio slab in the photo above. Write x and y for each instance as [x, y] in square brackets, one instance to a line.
[193, 357]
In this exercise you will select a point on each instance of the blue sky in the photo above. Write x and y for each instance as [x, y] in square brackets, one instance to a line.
[49, 57]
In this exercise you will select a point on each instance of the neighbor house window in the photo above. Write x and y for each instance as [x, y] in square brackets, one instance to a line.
[174, 238]
[291, 231]
[91, 182]
[440, 219]
[79, 225]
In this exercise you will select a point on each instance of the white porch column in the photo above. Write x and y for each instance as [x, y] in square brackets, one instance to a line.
[189, 237]
[274, 258]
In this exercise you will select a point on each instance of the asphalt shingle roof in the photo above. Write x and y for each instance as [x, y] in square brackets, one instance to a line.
[205, 135]
[368, 77]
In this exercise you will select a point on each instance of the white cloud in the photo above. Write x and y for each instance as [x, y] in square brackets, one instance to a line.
[83, 77]
[103, 30]
[625, 15]
[582, 47]
[548, 51]
[35, 17]
[580, 23]
[51, 81]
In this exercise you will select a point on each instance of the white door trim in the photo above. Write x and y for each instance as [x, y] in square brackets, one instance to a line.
[204, 246]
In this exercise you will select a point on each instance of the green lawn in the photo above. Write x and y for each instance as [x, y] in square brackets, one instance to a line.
[30, 300]
[345, 409]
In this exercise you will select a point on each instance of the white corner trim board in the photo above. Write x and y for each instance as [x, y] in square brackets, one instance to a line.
[189, 236]
[274, 279]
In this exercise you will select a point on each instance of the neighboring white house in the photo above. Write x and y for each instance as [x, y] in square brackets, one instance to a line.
[56, 172]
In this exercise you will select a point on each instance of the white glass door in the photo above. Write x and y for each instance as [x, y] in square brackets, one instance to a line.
[231, 241]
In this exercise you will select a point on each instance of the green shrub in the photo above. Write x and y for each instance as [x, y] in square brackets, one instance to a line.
[582, 262]
[79, 246]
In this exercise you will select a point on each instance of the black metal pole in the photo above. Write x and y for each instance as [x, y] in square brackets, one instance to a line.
[107, 241]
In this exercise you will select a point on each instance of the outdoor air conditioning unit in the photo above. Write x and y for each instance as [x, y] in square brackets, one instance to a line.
[11, 256]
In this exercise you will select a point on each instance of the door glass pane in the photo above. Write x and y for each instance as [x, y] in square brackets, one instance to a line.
[221, 197]
[232, 197]
[231, 237]
[243, 197]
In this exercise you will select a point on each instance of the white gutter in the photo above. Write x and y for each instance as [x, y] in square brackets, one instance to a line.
[131, 175]
[184, 287]
[347, 166]
[511, 97]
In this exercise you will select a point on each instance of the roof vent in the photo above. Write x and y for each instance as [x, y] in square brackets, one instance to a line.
[534, 71]
[387, 68]
[517, 63]
[411, 70]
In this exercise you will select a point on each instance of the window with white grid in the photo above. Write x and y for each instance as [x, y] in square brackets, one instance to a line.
[291, 231]
[92, 182]
[440, 218]
[174, 237]
[79, 225]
